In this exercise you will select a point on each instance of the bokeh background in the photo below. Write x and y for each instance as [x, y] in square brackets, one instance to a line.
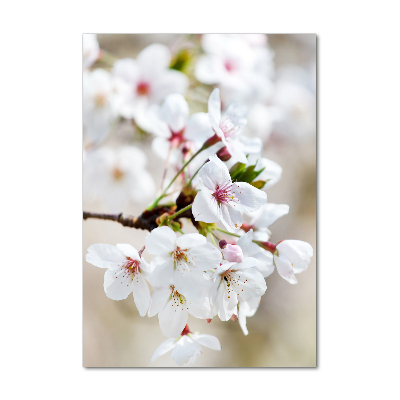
[283, 331]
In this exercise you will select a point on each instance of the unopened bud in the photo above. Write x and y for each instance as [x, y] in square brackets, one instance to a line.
[233, 253]
[234, 317]
[223, 154]
[222, 243]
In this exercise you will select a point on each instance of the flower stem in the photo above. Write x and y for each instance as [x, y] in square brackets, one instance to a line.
[176, 176]
[180, 211]
[190, 182]
[228, 233]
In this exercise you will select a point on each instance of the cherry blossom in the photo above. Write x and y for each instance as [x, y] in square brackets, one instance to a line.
[222, 200]
[187, 347]
[148, 81]
[234, 282]
[292, 257]
[263, 218]
[228, 128]
[173, 308]
[181, 261]
[91, 49]
[126, 273]
[263, 257]
[99, 101]
[117, 176]
[272, 172]
[172, 125]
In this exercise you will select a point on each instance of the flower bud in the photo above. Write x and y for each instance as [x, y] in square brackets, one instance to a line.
[223, 154]
[233, 253]
[222, 243]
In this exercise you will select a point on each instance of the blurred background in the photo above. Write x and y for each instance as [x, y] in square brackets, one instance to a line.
[283, 331]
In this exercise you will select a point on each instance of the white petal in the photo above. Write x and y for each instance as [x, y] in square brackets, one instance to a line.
[205, 208]
[248, 283]
[185, 351]
[198, 128]
[297, 252]
[236, 150]
[272, 172]
[141, 294]
[207, 340]
[173, 318]
[105, 256]
[214, 105]
[250, 198]
[170, 81]
[265, 262]
[285, 270]
[245, 242]
[164, 347]
[190, 240]
[209, 69]
[214, 173]
[117, 284]
[126, 69]
[129, 251]
[247, 309]
[268, 214]
[201, 308]
[227, 302]
[159, 300]
[189, 281]
[160, 241]
[175, 112]
[231, 218]
[235, 118]
[162, 271]
[206, 256]
[154, 58]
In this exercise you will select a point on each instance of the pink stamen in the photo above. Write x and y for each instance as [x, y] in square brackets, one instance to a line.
[224, 193]
[143, 88]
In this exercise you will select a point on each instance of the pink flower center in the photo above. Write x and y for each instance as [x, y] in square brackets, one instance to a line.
[117, 174]
[229, 66]
[177, 137]
[223, 194]
[185, 330]
[131, 266]
[143, 88]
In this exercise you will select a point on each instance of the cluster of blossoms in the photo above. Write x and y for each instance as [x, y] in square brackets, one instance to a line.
[221, 178]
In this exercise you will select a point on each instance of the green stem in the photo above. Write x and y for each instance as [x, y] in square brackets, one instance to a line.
[228, 233]
[176, 176]
[171, 217]
[212, 238]
[190, 182]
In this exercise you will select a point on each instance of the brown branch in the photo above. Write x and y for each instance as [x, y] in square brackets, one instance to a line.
[146, 221]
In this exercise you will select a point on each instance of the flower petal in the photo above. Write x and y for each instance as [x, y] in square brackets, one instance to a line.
[268, 214]
[198, 128]
[231, 218]
[205, 208]
[214, 105]
[129, 251]
[117, 284]
[173, 318]
[105, 256]
[141, 294]
[153, 59]
[190, 240]
[297, 252]
[189, 281]
[248, 283]
[159, 300]
[206, 256]
[175, 112]
[160, 241]
[186, 351]
[162, 271]
[164, 347]
[214, 173]
[207, 340]
[285, 270]
[250, 198]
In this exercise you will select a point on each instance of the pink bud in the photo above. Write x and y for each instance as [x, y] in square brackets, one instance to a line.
[234, 317]
[222, 243]
[223, 154]
[233, 253]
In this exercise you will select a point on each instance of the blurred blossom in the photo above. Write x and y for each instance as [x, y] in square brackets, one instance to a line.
[173, 127]
[91, 49]
[99, 104]
[295, 95]
[148, 81]
[262, 120]
[241, 70]
[116, 176]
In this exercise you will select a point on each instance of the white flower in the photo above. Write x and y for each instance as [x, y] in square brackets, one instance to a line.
[126, 272]
[222, 200]
[247, 309]
[91, 49]
[117, 176]
[264, 258]
[173, 308]
[229, 127]
[292, 257]
[262, 119]
[98, 104]
[187, 347]
[182, 260]
[234, 282]
[149, 80]
[264, 217]
[240, 70]
[172, 125]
